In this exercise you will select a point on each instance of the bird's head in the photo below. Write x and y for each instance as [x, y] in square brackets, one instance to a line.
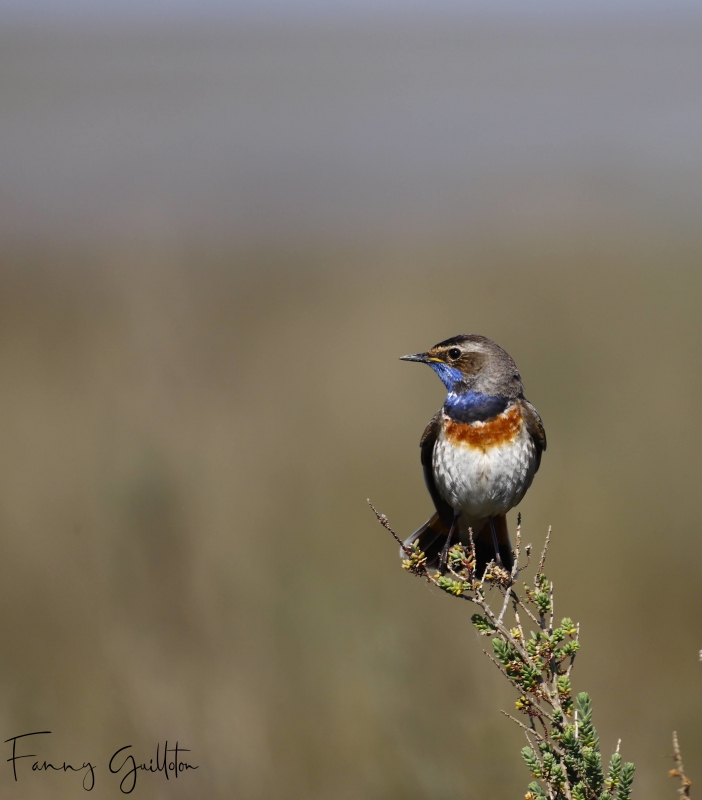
[472, 363]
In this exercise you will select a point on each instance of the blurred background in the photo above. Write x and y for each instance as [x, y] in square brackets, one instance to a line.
[221, 225]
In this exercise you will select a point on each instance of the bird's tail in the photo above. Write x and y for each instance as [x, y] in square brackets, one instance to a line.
[431, 538]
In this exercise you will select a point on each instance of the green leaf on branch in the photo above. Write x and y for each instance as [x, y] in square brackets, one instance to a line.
[557, 636]
[615, 772]
[535, 792]
[587, 733]
[416, 562]
[529, 678]
[531, 761]
[627, 778]
[504, 652]
[450, 585]
[542, 582]
[543, 601]
[483, 624]
[593, 768]
[579, 791]
[569, 649]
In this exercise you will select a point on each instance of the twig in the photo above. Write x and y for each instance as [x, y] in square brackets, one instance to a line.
[542, 560]
[383, 520]
[679, 771]
[502, 670]
[527, 611]
[466, 597]
[505, 604]
[500, 626]
[515, 608]
[517, 550]
[515, 571]
[526, 733]
[522, 725]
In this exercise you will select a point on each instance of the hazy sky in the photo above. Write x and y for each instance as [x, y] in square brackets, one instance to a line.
[53, 10]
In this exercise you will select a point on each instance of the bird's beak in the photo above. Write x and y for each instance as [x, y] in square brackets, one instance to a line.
[423, 358]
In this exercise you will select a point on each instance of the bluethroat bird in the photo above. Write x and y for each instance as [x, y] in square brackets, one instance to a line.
[480, 452]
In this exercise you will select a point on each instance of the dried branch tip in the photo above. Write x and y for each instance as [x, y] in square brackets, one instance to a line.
[679, 771]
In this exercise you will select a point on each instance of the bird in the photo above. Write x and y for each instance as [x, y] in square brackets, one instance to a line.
[479, 453]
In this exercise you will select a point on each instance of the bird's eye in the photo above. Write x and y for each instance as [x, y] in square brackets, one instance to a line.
[454, 354]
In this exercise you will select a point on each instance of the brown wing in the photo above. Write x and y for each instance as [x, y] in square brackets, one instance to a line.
[535, 427]
[426, 445]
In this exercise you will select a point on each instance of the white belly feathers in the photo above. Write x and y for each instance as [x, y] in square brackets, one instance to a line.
[483, 469]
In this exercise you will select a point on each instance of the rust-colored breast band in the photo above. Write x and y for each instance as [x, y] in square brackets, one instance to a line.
[501, 429]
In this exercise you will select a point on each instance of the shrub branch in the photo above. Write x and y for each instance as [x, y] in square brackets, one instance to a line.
[563, 755]
[679, 771]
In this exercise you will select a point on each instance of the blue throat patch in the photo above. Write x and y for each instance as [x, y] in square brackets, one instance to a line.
[473, 406]
[450, 376]
[466, 406]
